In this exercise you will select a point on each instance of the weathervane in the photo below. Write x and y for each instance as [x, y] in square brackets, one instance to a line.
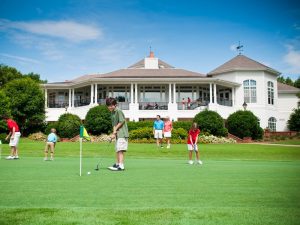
[239, 48]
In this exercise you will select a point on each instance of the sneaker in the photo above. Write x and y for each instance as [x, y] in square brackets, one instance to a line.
[190, 162]
[45, 159]
[168, 146]
[51, 159]
[118, 168]
[16, 157]
[162, 146]
[200, 162]
[10, 157]
[113, 167]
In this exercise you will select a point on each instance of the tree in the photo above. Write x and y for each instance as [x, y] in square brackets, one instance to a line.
[244, 124]
[98, 120]
[294, 120]
[27, 104]
[7, 74]
[297, 83]
[281, 79]
[35, 77]
[289, 81]
[211, 122]
[4, 110]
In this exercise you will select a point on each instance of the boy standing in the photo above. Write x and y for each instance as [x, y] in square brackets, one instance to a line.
[14, 135]
[120, 133]
[51, 142]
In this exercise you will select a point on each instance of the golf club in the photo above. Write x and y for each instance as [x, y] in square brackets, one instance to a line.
[107, 147]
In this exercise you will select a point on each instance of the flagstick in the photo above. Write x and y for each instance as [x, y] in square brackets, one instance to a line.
[80, 156]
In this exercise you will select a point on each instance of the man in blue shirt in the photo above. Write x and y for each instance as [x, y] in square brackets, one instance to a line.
[158, 127]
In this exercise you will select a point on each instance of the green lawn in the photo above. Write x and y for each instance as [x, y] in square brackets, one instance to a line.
[238, 184]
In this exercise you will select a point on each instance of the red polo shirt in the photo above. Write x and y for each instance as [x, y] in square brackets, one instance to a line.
[12, 124]
[193, 134]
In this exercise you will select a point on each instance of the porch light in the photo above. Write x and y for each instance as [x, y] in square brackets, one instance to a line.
[245, 106]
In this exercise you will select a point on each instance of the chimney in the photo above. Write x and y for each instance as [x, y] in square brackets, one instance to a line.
[151, 54]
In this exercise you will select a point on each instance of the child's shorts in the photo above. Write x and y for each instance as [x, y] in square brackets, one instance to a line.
[14, 142]
[193, 147]
[121, 144]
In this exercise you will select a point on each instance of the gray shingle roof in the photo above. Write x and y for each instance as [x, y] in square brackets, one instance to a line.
[241, 63]
[141, 64]
[284, 88]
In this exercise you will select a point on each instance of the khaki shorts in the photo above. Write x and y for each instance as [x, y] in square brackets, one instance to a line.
[158, 134]
[167, 134]
[121, 144]
[14, 142]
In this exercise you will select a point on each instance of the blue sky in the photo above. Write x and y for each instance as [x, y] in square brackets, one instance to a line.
[64, 39]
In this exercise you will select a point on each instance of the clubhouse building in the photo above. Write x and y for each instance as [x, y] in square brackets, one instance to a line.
[152, 87]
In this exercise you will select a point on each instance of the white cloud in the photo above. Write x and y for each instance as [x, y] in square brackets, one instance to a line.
[292, 58]
[19, 58]
[69, 30]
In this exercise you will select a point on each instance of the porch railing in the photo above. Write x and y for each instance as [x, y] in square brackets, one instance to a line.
[82, 102]
[58, 104]
[225, 102]
[153, 105]
[191, 106]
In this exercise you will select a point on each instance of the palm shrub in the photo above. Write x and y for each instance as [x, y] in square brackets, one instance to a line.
[98, 120]
[68, 125]
[211, 122]
[294, 120]
[244, 124]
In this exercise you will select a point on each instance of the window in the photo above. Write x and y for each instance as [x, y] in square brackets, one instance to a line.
[270, 93]
[249, 91]
[272, 124]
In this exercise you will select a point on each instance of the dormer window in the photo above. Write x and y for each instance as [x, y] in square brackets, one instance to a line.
[249, 91]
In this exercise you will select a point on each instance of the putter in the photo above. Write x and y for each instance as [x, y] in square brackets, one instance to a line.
[107, 146]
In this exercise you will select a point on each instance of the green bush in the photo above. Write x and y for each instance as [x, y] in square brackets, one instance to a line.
[244, 124]
[68, 125]
[136, 125]
[294, 120]
[211, 122]
[98, 120]
[51, 125]
[145, 132]
[179, 133]
[2, 138]
[186, 125]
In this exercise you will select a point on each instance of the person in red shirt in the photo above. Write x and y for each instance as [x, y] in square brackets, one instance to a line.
[192, 143]
[14, 135]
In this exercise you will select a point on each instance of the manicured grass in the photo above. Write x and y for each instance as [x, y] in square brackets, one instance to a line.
[288, 142]
[238, 184]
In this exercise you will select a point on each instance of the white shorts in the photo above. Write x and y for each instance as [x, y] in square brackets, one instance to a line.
[14, 142]
[121, 144]
[192, 147]
[158, 134]
[167, 134]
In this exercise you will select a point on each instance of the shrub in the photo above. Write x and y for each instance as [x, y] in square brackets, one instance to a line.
[211, 122]
[51, 125]
[136, 125]
[98, 120]
[68, 125]
[2, 138]
[146, 132]
[179, 133]
[37, 136]
[294, 120]
[186, 125]
[244, 124]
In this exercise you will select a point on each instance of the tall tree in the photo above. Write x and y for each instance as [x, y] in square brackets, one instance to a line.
[35, 77]
[7, 74]
[297, 83]
[27, 104]
[289, 81]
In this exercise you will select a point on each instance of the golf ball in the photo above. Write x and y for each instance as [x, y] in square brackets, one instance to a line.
[88, 173]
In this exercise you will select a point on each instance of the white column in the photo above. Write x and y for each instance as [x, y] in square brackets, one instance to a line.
[73, 98]
[46, 99]
[233, 96]
[210, 93]
[96, 93]
[136, 94]
[170, 93]
[131, 93]
[70, 97]
[174, 93]
[92, 93]
[215, 93]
